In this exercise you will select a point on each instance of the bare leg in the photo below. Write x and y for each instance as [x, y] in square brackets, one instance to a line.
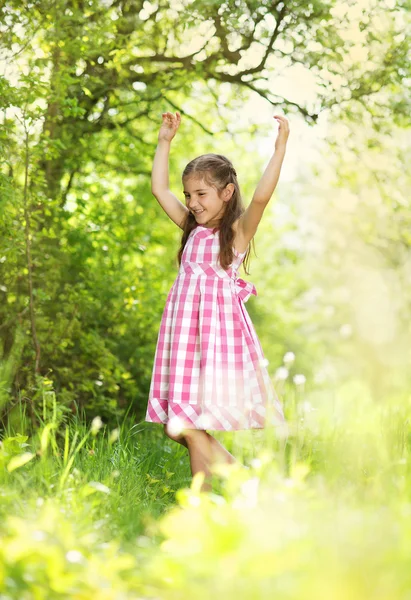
[220, 454]
[204, 450]
[201, 456]
[199, 448]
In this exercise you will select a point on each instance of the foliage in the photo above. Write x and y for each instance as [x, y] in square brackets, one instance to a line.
[87, 255]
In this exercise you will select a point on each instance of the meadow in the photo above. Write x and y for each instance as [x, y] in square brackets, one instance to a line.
[321, 512]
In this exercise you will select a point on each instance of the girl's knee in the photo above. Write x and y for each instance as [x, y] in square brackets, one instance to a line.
[175, 437]
[187, 435]
[195, 434]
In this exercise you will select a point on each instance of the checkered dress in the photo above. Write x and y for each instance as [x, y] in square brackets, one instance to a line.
[209, 369]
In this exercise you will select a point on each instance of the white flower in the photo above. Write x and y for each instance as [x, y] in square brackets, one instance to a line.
[114, 435]
[281, 373]
[74, 556]
[289, 358]
[299, 379]
[175, 426]
[96, 424]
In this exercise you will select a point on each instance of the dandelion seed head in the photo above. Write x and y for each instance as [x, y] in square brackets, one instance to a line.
[299, 379]
[74, 556]
[96, 425]
[281, 373]
[114, 435]
[289, 357]
[175, 426]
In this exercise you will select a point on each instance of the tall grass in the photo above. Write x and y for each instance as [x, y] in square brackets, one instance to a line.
[324, 512]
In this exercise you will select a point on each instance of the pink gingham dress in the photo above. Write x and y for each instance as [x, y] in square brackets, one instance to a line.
[209, 369]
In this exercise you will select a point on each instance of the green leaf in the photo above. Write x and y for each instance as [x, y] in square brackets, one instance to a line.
[18, 461]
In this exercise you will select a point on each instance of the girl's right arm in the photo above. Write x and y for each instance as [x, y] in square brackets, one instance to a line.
[159, 175]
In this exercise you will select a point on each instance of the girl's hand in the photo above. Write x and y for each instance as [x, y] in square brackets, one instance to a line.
[169, 126]
[283, 131]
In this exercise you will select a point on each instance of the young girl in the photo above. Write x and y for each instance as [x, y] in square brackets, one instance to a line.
[209, 368]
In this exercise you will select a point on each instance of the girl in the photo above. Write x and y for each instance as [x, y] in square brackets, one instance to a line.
[209, 369]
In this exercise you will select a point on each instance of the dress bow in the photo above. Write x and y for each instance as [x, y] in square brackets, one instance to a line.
[244, 289]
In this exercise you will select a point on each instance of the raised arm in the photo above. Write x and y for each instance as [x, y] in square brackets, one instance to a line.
[159, 174]
[249, 220]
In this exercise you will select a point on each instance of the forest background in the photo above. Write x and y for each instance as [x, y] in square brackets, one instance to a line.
[88, 255]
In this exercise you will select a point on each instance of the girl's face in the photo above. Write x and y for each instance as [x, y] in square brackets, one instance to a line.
[204, 202]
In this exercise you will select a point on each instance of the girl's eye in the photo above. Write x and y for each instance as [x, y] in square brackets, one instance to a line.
[187, 197]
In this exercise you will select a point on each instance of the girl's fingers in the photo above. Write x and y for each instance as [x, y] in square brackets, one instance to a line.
[172, 118]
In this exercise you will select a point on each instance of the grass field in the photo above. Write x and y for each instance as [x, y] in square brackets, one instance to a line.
[324, 513]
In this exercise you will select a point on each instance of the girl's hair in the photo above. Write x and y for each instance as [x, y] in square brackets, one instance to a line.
[217, 171]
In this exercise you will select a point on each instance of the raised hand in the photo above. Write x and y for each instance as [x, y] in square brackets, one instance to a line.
[169, 126]
[283, 131]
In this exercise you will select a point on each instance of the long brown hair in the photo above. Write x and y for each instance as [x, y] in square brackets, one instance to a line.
[217, 171]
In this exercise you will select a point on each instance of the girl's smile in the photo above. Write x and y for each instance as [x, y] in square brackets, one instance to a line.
[196, 190]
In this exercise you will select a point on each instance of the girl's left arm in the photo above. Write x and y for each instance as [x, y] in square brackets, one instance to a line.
[269, 180]
[249, 220]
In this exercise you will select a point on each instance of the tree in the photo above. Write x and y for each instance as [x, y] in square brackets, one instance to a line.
[82, 91]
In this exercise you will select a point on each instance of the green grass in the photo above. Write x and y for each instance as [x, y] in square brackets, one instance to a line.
[322, 513]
